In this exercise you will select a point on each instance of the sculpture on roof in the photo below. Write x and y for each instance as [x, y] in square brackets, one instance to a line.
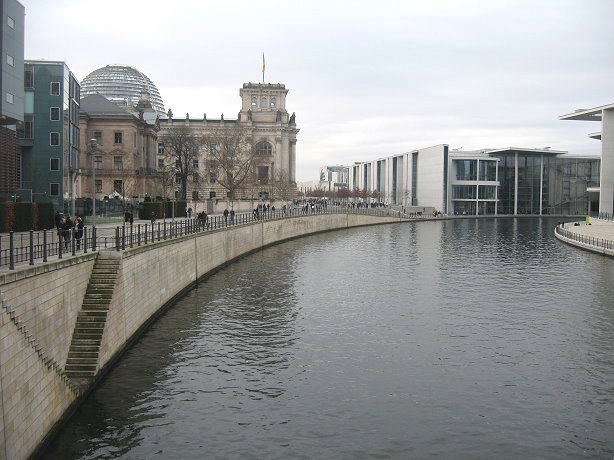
[292, 118]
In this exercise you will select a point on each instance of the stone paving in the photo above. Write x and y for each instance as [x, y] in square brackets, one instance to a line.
[598, 228]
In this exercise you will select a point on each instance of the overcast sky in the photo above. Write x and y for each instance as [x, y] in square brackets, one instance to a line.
[367, 79]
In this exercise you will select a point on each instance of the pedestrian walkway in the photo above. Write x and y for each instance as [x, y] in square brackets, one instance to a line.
[598, 236]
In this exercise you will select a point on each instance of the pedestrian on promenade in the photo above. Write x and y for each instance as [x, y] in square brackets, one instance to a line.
[58, 221]
[66, 228]
[226, 216]
[232, 216]
[78, 231]
[189, 213]
[153, 217]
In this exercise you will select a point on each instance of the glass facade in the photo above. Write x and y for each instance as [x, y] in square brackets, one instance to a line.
[488, 170]
[122, 85]
[466, 169]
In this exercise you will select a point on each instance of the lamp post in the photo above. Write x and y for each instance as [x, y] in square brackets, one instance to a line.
[93, 147]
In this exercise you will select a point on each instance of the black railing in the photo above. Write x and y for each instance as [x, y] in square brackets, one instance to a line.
[600, 243]
[606, 216]
[16, 248]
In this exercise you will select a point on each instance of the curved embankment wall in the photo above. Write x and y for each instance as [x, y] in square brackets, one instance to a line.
[40, 306]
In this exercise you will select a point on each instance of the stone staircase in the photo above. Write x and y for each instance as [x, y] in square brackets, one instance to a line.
[82, 361]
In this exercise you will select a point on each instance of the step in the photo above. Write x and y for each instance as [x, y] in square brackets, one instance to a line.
[85, 325]
[98, 295]
[94, 348]
[75, 375]
[89, 335]
[81, 343]
[70, 368]
[76, 354]
[103, 280]
[101, 315]
[76, 361]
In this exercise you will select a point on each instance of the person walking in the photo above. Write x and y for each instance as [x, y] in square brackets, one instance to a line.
[226, 216]
[78, 231]
[232, 217]
[66, 227]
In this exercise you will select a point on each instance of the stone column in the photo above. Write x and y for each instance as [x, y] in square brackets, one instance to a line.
[292, 161]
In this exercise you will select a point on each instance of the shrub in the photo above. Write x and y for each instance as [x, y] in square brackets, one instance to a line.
[23, 220]
[45, 216]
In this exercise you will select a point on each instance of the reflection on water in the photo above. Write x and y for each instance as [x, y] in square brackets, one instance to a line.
[464, 338]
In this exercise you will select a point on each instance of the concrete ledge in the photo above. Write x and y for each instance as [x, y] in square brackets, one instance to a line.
[28, 271]
[585, 246]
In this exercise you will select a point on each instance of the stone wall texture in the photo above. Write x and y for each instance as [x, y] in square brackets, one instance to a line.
[40, 306]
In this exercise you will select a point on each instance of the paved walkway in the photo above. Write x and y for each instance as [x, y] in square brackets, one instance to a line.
[603, 229]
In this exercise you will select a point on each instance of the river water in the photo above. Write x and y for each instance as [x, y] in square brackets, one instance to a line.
[449, 339]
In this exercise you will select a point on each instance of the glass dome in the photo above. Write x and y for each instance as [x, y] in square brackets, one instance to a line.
[122, 84]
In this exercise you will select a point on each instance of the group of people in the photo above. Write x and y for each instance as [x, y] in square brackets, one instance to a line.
[68, 229]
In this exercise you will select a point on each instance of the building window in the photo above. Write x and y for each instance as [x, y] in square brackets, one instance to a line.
[212, 179]
[273, 102]
[117, 163]
[160, 149]
[118, 137]
[25, 132]
[160, 163]
[263, 174]
[176, 194]
[195, 164]
[54, 164]
[10, 98]
[98, 137]
[10, 22]
[211, 194]
[28, 79]
[254, 101]
[195, 195]
[213, 148]
[54, 114]
[118, 186]
[98, 186]
[178, 178]
[97, 162]
[54, 139]
[264, 148]
[10, 60]
[263, 102]
[195, 178]
[55, 88]
[54, 189]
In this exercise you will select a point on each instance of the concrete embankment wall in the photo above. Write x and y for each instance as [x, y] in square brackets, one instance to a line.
[40, 306]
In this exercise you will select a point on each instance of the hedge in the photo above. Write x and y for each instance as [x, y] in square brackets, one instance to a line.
[21, 217]
[147, 206]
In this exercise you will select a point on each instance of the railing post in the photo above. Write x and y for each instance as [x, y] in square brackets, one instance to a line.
[138, 235]
[72, 242]
[123, 237]
[164, 229]
[60, 243]
[31, 247]
[11, 251]
[159, 230]
[45, 245]
[131, 236]
[117, 238]
[93, 238]
[84, 240]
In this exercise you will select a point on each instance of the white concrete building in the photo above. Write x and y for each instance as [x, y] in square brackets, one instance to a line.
[604, 114]
[489, 181]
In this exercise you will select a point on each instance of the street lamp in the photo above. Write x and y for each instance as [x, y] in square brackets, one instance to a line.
[93, 147]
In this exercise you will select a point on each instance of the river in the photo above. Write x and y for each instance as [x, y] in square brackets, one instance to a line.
[449, 339]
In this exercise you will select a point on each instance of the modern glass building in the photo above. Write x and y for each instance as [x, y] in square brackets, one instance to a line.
[122, 85]
[515, 181]
[49, 136]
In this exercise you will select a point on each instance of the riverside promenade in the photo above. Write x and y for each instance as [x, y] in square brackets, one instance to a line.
[598, 236]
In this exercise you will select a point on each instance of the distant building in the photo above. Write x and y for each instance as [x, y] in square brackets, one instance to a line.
[50, 135]
[12, 15]
[122, 85]
[604, 114]
[125, 155]
[332, 179]
[490, 181]
[271, 130]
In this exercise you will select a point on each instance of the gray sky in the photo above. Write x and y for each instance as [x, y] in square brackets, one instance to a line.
[366, 79]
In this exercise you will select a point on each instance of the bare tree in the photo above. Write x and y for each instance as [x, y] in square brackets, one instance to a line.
[230, 158]
[181, 147]
[282, 188]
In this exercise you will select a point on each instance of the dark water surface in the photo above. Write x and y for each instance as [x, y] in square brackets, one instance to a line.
[451, 339]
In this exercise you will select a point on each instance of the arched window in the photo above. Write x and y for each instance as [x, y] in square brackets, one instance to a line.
[264, 148]
[254, 101]
[273, 102]
[263, 102]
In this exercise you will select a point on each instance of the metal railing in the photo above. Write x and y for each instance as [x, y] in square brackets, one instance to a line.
[16, 248]
[606, 216]
[584, 239]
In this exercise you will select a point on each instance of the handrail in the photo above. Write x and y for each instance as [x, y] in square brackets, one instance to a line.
[36, 246]
[600, 243]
